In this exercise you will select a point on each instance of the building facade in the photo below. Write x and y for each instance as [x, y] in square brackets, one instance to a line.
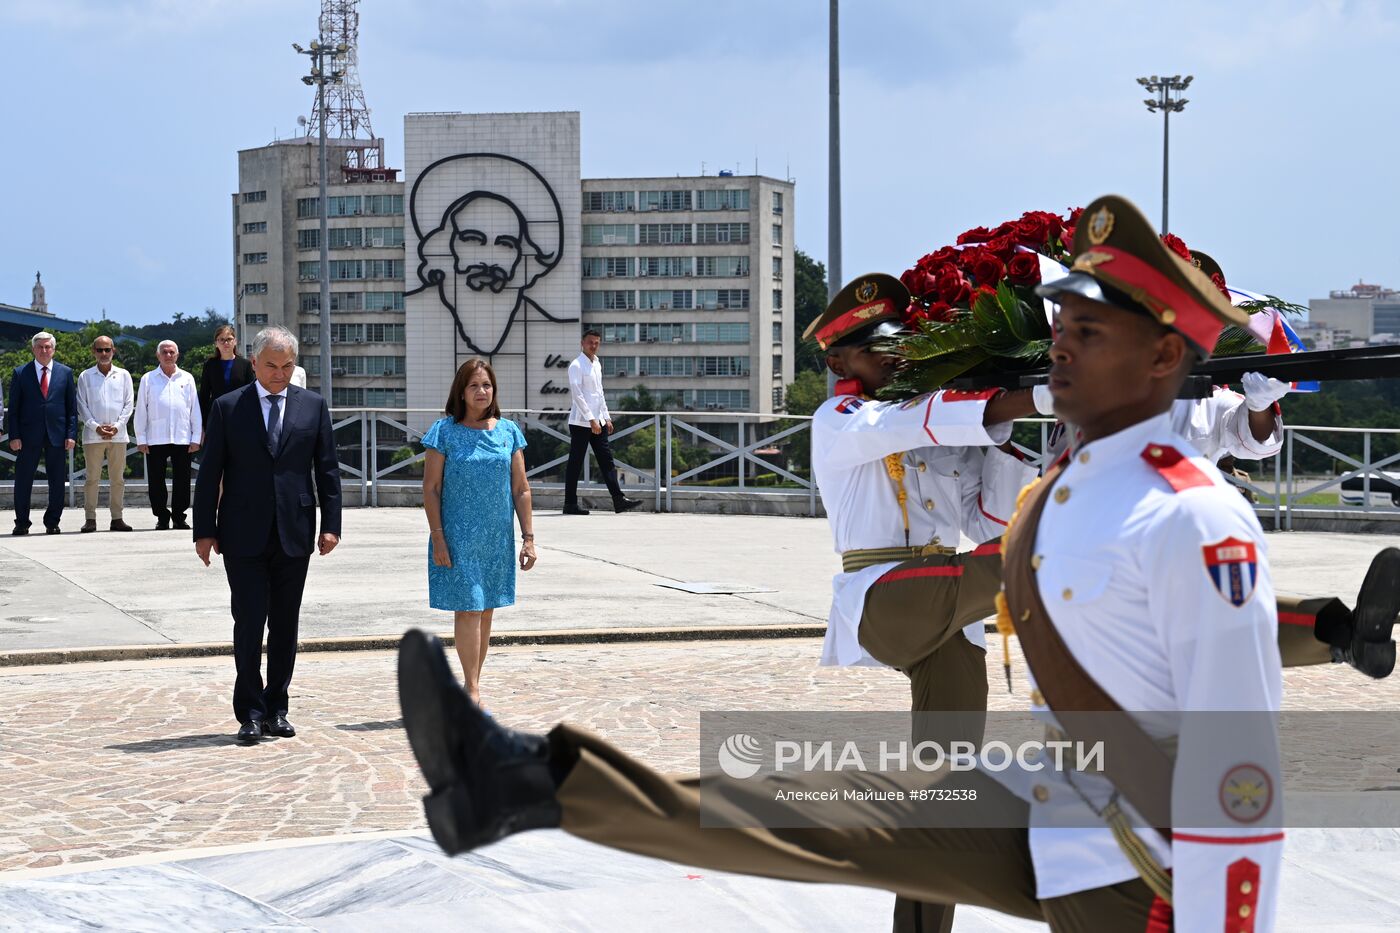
[492, 245]
[1357, 316]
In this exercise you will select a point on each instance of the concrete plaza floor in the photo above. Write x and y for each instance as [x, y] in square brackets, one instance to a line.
[127, 804]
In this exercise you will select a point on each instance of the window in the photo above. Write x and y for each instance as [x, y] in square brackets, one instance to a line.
[666, 366]
[664, 233]
[344, 237]
[666, 265]
[733, 399]
[609, 201]
[663, 200]
[721, 266]
[259, 227]
[382, 236]
[664, 299]
[343, 269]
[340, 301]
[607, 267]
[254, 259]
[777, 233]
[383, 205]
[728, 199]
[721, 299]
[722, 233]
[384, 269]
[310, 333]
[777, 299]
[777, 366]
[618, 333]
[722, 333]
[777, 332]
[309, 270]
[609, 300]
[777, 268]
[308, 207]
[255, 288]
[777, 202]
[347, 333]
[619, 365]
[609, 234]
[777, 397]
[255, 319]
[254, 197]
[345, 205]
[358, 365]
[383, 301]
[665, 333]
[721, 365]
[384, 333]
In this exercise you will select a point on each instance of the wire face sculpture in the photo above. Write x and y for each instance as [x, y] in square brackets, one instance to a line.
[488, 228]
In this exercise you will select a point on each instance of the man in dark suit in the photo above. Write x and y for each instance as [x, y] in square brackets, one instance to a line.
[268, 444]
[42, 421]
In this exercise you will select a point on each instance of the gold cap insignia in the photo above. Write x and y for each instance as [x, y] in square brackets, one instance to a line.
[1100, 225]
[865, 292]
[1087, 261]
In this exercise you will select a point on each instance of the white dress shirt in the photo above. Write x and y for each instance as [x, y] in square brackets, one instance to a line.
[167, 409]
[263, 396]
[299, 377]
[586, 392]
[105, 399]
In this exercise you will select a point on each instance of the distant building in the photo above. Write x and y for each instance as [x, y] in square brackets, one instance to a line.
[18, 324]
[1357, 316]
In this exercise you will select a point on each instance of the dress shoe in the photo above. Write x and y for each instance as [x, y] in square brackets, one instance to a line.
[1371, 650]
[119, 525]
[19, 531]
[250, 732]
[162, 524]
[574, 510]
[182, 525]
[279, 726]
[52, 530]
[89, 527]
[487, 781]
[625, 504]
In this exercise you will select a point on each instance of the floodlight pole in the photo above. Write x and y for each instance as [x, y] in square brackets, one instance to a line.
[833, 169]
[1168, 91]
[320, 77]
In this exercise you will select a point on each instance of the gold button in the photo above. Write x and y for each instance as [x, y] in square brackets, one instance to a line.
[1154, 452]
[1041, 793]
[1169, 316]
[1244, 910]
[1035, 562]
[1084, 457]
[922, 466]
[1062, 495]
[1246, 887]
[1037, 698]
[928, 504]
[1068, 594]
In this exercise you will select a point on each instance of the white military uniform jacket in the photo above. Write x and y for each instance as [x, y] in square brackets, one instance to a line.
[1154, 572]
[954, 488]
[1215, 426]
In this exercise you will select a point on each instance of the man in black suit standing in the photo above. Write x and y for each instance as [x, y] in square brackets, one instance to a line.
[268, 444]
[42, 421]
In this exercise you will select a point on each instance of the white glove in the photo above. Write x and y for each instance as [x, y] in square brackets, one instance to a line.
[1261, 391]
[1044, 401]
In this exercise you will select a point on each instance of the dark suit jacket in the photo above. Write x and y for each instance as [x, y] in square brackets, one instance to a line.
[212, 384]
[41, 421]
[258, 486]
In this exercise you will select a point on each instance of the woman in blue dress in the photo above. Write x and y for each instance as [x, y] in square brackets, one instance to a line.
[473, 478]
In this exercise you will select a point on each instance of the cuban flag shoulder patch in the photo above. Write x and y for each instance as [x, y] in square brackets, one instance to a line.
[1233, 566]
[849, 404]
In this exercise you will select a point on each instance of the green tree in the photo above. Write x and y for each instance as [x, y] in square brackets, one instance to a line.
[805, 393]
[642, 399]
[809, 301]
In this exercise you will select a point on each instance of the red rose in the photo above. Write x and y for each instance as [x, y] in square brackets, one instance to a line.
[1073, 219]
[919, 282]
[1023, 269]
[1218, 281]
[988, 270]
[934, 260]
[975, 235]
[1176, 246]
[987, 290]
[940, 311]
[1067, 237]
[953, 287]
[967, 258]
[1035, 228]
[1004, 247]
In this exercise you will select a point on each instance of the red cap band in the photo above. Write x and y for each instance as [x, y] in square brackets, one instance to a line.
[1173, 305]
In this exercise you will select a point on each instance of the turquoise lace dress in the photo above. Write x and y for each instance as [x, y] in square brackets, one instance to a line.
[478, 516]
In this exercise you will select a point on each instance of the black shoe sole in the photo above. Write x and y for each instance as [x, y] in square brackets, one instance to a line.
[1378, 602]
[426, 684]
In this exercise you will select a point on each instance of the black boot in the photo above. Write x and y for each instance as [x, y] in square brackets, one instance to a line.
[624, 504]
[1369, 648]
[487, 781]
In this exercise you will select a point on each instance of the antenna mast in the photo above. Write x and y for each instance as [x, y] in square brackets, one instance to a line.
[347, 114]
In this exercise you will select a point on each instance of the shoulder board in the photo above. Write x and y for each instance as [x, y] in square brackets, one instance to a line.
[968, 395]
[1175, 467]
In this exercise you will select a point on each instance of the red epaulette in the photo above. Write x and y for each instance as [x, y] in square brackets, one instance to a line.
[1175, 467]
[969, 395]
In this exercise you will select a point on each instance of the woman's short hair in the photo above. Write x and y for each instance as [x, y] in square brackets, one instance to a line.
[456, 402]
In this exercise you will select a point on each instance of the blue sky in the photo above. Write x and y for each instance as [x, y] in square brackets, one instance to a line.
[122, 119]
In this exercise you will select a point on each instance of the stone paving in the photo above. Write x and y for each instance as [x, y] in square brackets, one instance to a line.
[118, 759]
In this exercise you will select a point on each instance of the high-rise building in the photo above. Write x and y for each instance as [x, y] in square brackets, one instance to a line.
[1358, 315]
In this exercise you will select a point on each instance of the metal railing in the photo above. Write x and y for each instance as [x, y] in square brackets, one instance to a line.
[719, 453]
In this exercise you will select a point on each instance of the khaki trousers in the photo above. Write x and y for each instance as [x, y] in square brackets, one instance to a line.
[114, 454]
[613, 800]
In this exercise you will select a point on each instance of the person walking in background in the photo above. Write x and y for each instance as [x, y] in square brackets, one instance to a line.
[589, 426]
[268, 445]
[223, 372]
[105, 403]
[168, 430]
[42, 421]
[473, 477]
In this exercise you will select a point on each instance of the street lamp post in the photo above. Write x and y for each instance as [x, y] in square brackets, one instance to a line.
[321, 76]
[1168, 100]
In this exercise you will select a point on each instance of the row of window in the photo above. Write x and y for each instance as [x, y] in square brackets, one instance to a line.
[357, 365]
[354, 333]
[627, 267]
[351, 237]
[675, 365]
[732, 399]
[255, 288]
[725, 199]
[368, 398]
[666, 299]
[675, 333]
[254, 259]
[675, 234]
[354, 301]
[350, 205]
[343, 269]
[256, 227]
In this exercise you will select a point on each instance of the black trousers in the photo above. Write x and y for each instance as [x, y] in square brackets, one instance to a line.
[178, 456]
[581, 437]
[26, 466]
[265, 592]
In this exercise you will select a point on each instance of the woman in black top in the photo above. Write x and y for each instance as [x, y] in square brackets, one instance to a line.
[223, 372]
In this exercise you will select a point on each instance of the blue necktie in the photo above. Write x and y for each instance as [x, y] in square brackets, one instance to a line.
[274, 424]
